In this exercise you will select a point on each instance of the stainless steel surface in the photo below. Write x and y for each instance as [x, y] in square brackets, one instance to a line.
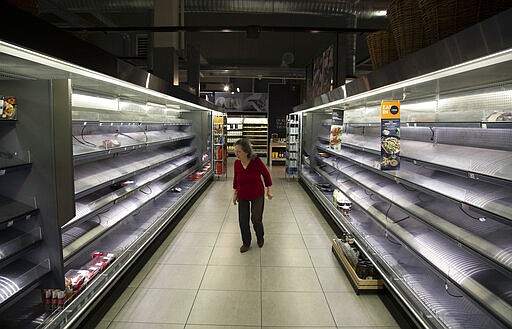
[479, 194]
[462, 267]
[124, 207]
[13, 241]
[18, 275]
[409, 277]
[62, 149]
[486, 162]
[109, 171]
[91, 204]
[410, 201]
[154, 218]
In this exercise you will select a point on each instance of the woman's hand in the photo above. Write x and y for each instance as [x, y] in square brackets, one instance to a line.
[269, 193]
[235, 197]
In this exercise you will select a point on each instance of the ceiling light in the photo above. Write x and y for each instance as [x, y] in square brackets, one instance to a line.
[226, 87]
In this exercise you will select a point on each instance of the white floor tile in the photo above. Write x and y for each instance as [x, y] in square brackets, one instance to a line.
[317, 241]
[233, 256]
[186, 255]
[195, 239]
[285, 257]
[333, 279]
[199, 326]
[232, 240]
[283, 241]
[232, 278]
[173, 306]
[295, 309]
[138, 325]
[323, 257]
[226, 308]
[289, 279]
[174, 276]
[350, 309]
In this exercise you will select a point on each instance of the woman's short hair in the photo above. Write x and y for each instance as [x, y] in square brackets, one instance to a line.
[246, 147]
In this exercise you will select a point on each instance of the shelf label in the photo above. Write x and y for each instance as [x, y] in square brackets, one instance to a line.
[390, 135]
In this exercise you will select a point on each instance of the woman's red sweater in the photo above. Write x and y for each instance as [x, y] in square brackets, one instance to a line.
[247, 182]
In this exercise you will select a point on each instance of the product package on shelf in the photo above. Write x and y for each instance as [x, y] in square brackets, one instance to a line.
[76, 280]
[200, 173]
[360, 270]
[8, 108]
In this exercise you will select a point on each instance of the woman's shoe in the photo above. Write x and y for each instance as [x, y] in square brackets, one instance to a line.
[244, 248]
[261, 242]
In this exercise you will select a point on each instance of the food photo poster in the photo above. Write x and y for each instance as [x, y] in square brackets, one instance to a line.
[390, 135]
[336, 130]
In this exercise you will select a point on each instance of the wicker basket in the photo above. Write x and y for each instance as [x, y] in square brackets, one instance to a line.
[382, 48]
[407, 26]
[443, 18]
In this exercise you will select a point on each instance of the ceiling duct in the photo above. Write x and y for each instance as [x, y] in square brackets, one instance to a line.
[311, 7]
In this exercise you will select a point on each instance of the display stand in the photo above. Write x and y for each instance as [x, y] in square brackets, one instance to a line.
[359, 285]
[220, 146]
[292, 145]
[277, 153]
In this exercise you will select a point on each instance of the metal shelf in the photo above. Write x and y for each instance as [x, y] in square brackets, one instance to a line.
[92, 204]
[383, 241]
[7, 165]
[127, 144]
[122, 208]
[11, 210]
[481, 195]
[129, 240]
[18, 276]
[464, 159]
[412, 203]
[13, 240]
[90, 177]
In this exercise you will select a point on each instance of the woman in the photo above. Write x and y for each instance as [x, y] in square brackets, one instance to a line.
[249, 192]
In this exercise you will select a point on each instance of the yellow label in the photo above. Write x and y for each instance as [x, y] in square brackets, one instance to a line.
[390, 110]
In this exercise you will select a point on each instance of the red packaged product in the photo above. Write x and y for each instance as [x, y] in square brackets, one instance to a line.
[77, 279]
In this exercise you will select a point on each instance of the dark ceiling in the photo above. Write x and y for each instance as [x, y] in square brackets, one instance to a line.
[266, 39]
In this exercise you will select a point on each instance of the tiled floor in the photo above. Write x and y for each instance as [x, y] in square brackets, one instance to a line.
[198, 279]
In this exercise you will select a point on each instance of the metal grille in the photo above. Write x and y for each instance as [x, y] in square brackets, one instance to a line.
[142, 45]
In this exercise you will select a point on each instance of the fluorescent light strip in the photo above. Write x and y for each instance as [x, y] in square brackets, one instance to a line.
[42, 59]
[102, 103]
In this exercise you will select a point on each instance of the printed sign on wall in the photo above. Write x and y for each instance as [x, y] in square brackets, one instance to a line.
[390, 135]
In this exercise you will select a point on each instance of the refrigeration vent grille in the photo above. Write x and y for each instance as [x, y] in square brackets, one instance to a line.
[142, 45]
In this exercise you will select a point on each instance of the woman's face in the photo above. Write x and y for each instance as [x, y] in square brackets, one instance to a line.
[239, 152]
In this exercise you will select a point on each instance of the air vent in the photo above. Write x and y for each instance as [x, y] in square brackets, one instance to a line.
[142, 45]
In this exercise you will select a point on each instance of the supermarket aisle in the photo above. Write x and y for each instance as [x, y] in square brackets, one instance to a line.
[199, 279]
